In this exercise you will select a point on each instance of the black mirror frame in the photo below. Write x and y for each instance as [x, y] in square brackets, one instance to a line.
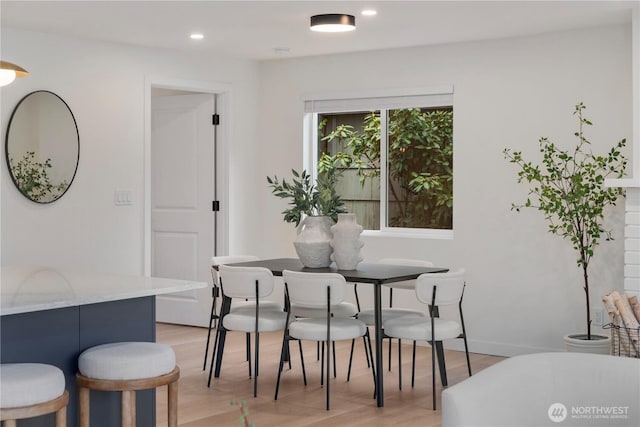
[6, 146]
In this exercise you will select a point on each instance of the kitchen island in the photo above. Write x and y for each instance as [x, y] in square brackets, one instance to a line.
[52, 315]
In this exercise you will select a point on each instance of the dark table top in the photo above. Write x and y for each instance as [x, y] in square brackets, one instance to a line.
[365, 272]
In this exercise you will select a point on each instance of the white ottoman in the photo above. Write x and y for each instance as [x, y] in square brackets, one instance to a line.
[127, 367]
[546, 389]
[32, 389]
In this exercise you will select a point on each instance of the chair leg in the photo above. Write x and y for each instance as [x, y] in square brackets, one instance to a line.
[441, 363]
[304, 372]
[216, 340]
[466, 350]
[61, 417]
[366, 354]
[280, 366]
[399, 363]
[256, 364]
[333, 348]
[248, 346]
[206, 348]
[128, 408]
[328, 370]
[433, 372]
[353, 344]
[373, 367]
[172, 396]
[9, 423]
[413, 366]
[390, 354]
[83, 406]
[364, 343]
[322, 364]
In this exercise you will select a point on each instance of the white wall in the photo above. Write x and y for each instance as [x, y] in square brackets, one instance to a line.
[524, 288]
[104, 87]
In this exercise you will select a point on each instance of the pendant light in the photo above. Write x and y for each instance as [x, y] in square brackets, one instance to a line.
[333, 23]
[9, 72]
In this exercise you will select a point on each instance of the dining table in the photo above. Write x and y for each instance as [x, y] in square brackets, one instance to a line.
[375, 274]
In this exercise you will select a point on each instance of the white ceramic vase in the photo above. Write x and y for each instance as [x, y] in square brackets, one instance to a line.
[346, 242]
[313, 242]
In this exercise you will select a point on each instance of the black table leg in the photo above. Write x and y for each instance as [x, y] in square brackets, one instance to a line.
[377, 302]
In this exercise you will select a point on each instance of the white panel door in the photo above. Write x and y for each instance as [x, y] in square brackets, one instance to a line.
[182, 189]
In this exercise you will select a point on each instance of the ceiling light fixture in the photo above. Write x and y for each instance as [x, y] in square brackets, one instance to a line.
[9, 72]
[333, 23]
[196, 36]
[369, 12]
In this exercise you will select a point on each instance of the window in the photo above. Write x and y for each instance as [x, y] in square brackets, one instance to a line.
[394, 155]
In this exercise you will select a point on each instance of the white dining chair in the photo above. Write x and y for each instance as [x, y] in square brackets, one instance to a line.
[343, 309]
[216, 262]
[253, 284]
[368, 315]
[320, 291]
[435, 290]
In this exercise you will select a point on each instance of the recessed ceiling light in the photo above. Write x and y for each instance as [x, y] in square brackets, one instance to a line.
[369, 12]
[197, 36]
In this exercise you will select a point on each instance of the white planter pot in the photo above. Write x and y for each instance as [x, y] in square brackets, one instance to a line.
[598, 344]
[313, 242]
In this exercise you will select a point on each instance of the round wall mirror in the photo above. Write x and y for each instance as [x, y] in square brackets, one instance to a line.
[42, 146]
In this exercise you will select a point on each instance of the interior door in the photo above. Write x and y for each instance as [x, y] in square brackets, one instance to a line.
[182, 190]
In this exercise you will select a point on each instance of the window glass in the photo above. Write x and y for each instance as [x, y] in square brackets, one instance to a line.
[395, 162]
[420, 168]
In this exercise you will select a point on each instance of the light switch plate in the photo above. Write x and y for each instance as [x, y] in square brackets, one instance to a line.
[123, 197]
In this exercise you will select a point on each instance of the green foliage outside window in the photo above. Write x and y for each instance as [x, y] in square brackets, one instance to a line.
[420, 157]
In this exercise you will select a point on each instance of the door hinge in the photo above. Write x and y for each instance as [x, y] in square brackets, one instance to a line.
[215, 206]
[215, 119]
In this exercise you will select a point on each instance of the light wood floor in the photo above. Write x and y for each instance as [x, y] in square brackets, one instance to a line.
[352, 403]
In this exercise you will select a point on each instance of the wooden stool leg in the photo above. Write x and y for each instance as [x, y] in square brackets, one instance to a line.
[173, 403]
[61, 417]
[128, 408]
[9, 423]
[83, 406]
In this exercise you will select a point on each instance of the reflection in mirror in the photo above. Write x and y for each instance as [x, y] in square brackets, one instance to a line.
[42, 146]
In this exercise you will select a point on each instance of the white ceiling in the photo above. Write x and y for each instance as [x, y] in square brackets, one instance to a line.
[253, 29]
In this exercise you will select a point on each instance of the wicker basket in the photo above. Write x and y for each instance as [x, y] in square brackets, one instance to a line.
[625, 341]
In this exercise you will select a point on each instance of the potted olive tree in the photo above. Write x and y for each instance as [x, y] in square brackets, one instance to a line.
[568, 188]
[313, 209]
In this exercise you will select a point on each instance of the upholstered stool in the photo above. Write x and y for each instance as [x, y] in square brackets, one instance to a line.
[32, 389]
[127, 367]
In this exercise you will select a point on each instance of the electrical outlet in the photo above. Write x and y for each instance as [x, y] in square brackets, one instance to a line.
[597, 316]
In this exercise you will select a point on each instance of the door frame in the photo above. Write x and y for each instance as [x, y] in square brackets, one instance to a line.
[223, 94]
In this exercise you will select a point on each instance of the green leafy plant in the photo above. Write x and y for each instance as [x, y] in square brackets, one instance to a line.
[244, 412]
[420, 158]
[306, 198]
[33, 180]
[569, 190]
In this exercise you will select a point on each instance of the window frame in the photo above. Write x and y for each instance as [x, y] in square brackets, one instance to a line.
[315, 104]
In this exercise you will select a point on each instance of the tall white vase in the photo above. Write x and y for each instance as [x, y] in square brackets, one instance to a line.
[313, 242]
[346, 242]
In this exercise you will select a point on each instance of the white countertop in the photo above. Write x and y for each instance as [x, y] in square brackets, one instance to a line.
[27, 289]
